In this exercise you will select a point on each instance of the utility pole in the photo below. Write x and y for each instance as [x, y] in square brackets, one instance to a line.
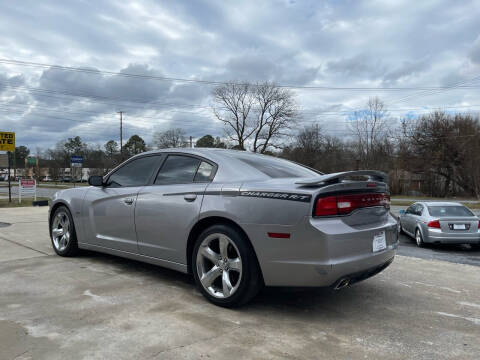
[191, 143]
[121, 136]
[9, 181]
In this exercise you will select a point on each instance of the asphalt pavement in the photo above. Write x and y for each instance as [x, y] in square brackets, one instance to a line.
[460, 254]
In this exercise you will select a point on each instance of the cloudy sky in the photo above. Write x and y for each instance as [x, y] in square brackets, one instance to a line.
[310, 45]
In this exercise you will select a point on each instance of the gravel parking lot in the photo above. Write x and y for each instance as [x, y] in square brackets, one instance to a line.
[97, 306]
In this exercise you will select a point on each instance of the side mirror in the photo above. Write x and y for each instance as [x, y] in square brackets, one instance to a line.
[402, 212]
[95, 180]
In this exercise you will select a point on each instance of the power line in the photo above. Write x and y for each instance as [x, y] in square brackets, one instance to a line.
[205, 82]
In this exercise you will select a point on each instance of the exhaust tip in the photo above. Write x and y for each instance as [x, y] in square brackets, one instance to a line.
[342, 283]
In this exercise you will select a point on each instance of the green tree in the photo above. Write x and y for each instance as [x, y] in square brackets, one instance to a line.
[74, 146]
[111, 148]
[206, 141]
[21, 153]
[135, 145]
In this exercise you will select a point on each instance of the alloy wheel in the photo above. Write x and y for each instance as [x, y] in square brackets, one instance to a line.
[61, 231]
[219, 265]
[418, 238]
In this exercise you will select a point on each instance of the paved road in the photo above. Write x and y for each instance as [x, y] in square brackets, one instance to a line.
[461, 254]
[97, 306]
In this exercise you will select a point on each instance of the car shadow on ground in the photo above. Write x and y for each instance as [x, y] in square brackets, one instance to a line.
[284, 300]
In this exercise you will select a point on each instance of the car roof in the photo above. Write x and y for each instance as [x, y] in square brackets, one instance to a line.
[231, 168]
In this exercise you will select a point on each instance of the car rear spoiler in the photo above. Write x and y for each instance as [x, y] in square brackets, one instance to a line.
[337, 177]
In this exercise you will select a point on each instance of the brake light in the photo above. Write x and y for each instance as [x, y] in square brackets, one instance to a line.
[478, 224]
[434, 224]
[345, 204]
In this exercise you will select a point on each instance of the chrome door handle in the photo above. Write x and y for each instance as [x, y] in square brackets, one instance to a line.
[128, 201]
[190, 197]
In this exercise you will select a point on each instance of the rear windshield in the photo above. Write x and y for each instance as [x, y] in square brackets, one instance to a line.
[274, 167]
[451, 210]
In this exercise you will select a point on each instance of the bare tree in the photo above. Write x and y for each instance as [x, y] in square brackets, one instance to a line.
[172, 138]
[275, 112]
[259, 114]
[233, 105]
[370, 127]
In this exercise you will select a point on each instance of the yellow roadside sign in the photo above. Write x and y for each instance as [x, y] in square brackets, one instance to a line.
[7, 141]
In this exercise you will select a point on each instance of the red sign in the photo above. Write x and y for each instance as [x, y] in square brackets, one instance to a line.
[27, 183]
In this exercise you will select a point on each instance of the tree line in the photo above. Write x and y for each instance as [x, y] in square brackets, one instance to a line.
[436, 154]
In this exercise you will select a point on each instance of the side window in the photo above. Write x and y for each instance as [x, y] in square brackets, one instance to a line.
[134, 173]
[419, 209]
[410, 209]
[177, 169]
[204, 172]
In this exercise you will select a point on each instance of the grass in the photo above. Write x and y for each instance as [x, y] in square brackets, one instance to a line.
[25, 202]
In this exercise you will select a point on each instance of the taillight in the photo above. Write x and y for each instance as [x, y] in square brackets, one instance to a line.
[345, 204]
[434, 224]
[478, 224]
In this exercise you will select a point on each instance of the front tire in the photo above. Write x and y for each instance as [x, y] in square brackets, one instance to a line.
[225, 267]
[419, 238]
[62, 232]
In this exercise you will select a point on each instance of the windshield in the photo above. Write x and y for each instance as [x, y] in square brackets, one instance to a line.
[275, 167]
[450, 210]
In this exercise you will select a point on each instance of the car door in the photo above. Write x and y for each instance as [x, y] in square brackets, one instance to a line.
[168, 209]
[417, 217]
[407, 218]
[110, 209]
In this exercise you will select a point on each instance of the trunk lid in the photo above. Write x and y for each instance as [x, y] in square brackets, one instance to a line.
[456, 225]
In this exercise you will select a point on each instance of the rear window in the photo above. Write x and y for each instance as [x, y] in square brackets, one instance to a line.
[450, 210]
[276, 168]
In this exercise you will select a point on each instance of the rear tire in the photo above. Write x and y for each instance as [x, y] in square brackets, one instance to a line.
[62, 233]
[225, 267]
[419, 238]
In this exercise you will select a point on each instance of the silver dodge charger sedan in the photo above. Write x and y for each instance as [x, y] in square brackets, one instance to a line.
[440, 222]
[235, 220]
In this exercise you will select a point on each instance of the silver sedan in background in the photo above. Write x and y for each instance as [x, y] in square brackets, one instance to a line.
[235, 220]
[440, 223]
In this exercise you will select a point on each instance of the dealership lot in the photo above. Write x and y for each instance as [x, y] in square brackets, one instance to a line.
[99, 306]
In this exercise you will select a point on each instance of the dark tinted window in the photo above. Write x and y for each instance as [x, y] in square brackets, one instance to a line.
[449, 210]
[204, 172]
[134, 173]
[177, 169]
[276, 168]
[418, 209]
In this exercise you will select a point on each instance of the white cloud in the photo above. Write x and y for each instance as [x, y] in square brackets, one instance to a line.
[322, 43]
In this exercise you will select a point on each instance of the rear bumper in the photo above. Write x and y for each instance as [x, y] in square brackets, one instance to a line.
[448, 238]
[351, 279]
[322, 252]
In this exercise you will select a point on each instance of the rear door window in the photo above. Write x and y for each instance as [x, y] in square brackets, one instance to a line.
[177, 169]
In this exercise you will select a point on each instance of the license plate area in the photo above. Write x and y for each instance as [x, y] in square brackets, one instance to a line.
[459, 226]
[379, 241]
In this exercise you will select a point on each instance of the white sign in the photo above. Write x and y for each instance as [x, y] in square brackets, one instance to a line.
[27, 187]
[379, 241]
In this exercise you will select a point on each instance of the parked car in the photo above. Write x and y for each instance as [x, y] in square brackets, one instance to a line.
[440, 223]
[66, 179]
[235, 220]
